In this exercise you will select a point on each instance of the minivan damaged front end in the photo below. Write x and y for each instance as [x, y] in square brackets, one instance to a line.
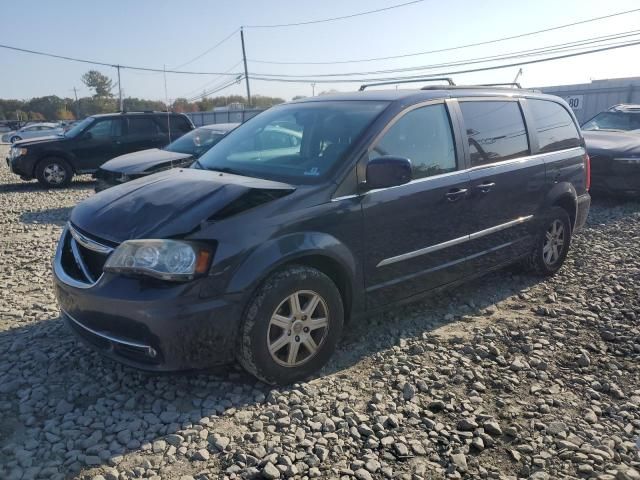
[119, 296]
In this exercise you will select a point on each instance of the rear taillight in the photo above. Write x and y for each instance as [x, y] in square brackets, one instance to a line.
[587, 165]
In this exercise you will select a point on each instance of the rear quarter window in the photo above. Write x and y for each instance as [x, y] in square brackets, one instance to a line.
[554, 126]
[495, 131]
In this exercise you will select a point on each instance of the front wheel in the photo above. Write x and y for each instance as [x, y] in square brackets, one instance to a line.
[291, 326]
[54, 173]
[15, 139]
[552, 244]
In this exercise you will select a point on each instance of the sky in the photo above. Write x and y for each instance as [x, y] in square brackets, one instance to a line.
[157, 33]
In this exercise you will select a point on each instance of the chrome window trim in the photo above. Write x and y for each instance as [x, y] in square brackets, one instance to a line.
[455, 241]
[149, 349]
[87, 242]
[533, 157]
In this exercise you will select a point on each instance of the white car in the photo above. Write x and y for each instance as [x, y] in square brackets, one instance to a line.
[33, 130]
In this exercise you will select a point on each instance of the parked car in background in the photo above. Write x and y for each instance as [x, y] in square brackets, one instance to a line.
[179, 153]
[33, 130]
[90, 143]
[613, 143]
[264, 254]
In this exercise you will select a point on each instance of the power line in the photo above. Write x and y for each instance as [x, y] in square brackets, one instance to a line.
[207, 50]
[216, 90]
[441, 74]
[333, 19]
[113, 65]
[213, 80]
[567, 46]
[458, 47]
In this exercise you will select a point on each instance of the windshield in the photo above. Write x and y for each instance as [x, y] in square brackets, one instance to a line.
[196, 142]
[621, 121]
[79, 127]
[295, 143]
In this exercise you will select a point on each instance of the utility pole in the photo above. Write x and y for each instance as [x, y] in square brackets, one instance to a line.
[313, 89]
[75, 92]
[120, 89]
[244, 59]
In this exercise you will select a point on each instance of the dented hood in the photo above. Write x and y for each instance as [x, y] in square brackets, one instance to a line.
[144, 161]
[167, 204]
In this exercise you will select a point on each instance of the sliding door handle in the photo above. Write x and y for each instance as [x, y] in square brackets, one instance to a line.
[485, 187]
[456, 194]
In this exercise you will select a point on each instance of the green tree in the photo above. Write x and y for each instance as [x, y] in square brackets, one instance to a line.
[99, 82]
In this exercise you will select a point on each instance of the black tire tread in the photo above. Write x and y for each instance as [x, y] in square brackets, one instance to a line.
[534, 263]
[39, 172]
[245, 354]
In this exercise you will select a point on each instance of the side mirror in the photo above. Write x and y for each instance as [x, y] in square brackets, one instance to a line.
[87, 135]
[388, 171]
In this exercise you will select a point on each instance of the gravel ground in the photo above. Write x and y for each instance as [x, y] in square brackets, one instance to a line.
[505, 377]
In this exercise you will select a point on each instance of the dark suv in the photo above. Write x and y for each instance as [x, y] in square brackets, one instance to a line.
[90, 143]
[265, 254]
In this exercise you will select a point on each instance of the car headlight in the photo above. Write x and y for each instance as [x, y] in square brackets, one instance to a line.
[164, 259]
[633, 160]
[17, 152]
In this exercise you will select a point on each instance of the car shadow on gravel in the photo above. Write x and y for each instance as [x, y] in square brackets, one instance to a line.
[30, 187]
[79, 410]
[47, 216]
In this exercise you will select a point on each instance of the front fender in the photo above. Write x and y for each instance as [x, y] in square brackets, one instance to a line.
[271, 255]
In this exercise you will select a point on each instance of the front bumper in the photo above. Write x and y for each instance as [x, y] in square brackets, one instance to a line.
[22, 166]
[615, 177]
[145, 323]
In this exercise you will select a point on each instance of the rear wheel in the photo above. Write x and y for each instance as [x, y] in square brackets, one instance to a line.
[54, 172]
[552, 244]
[291, 326]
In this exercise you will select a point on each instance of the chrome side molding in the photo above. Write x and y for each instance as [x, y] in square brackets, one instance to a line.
[455, 241]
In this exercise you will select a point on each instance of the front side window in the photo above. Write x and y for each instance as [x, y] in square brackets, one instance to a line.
[495, 131]
[554, 125]
[296, 143]
[105, 129]
[424, 137]
[179, 124]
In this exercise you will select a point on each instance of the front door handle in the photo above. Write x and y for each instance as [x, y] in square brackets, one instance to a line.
[456, 194]
[485, 187]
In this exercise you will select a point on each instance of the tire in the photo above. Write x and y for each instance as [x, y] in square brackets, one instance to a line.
[544, 259]
[54, 172]
[271, 326]
[15, 139]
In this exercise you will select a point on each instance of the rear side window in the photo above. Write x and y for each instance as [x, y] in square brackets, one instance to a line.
[423, 136]
[555, 127]
[495, 131]
[142, 126]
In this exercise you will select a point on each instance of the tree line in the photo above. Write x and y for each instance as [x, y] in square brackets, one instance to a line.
[53, 107]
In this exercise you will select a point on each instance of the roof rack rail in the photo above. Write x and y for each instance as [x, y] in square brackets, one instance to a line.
[509, 84]
[395, 82]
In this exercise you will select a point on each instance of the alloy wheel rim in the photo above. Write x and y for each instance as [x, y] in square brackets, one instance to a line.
[54, 174]
[553, 242]
[297, 329]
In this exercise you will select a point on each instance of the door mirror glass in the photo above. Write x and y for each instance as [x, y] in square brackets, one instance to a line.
[388, 171]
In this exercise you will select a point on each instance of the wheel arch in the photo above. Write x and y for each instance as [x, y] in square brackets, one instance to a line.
[312, 249]
[54, 154]
[564, 195]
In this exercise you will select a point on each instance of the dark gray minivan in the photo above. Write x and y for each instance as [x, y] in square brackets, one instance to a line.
[265, 252]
